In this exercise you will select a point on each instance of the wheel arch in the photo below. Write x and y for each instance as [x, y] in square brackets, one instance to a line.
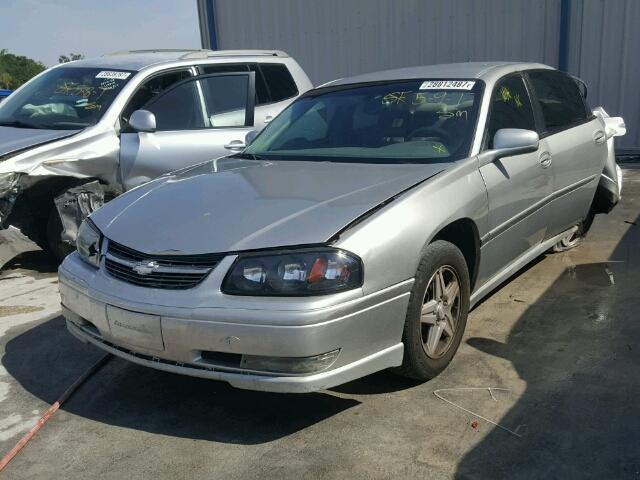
[33, 205]
[463, 233]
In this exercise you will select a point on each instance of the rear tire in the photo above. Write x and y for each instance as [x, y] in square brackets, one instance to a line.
[437, 311]
[576, 237]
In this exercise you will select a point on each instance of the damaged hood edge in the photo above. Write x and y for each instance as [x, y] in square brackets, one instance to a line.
[15, 141]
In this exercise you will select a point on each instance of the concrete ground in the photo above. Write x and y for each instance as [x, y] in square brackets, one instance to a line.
[562, 339]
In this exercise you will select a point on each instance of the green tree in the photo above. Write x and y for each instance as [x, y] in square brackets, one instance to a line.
[17, 69]
[70, 58]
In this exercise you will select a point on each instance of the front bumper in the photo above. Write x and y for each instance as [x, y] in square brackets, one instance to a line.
[205, 338]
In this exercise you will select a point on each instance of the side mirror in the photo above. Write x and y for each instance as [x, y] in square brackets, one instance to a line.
[143, 121]
[251, 136]
[508, 142]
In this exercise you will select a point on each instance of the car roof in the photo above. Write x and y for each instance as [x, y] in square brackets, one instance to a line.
[139, 59]
[488, 71]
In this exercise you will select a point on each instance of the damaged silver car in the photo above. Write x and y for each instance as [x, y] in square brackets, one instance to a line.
[81, 133]
[352, 235]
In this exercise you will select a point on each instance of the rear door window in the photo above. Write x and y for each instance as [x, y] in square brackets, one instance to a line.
[561, 103]
[510, 107]
[262, 92]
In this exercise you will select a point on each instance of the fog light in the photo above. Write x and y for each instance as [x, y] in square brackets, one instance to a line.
[290, 365]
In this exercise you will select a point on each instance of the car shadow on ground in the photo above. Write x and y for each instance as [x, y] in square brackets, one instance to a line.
[46, 359]
[578, 350]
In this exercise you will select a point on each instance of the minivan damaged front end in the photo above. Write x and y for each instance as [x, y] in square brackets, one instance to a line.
[48, 187]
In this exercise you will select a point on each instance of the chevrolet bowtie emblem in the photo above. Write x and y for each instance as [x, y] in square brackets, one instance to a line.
[146, 267]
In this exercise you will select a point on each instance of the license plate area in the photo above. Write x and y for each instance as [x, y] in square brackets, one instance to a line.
[136, 329]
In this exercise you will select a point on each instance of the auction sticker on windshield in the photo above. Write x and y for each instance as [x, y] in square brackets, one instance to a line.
[447, 85]
[113, 74]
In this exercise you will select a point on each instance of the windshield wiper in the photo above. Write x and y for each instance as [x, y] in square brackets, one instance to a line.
[19, 124]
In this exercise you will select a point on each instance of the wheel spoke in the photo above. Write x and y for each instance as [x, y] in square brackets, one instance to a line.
[435, 333]
[428, 314]
[452, 290]
[439, 284]
[447, 325]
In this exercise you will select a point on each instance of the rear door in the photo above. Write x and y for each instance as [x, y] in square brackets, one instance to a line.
[196, 120]
[576, 142]
[516, 185]
[275, 87]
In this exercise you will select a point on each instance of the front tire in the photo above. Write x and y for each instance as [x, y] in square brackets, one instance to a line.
[437, 311]
[54, 244]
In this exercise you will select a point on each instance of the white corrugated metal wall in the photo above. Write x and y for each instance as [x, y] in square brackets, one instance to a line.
[338, 38]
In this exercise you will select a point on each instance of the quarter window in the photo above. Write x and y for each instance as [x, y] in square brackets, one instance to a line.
[510, 107]
[279, 81]
[559, 98]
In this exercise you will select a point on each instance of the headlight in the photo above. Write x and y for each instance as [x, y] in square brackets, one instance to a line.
[88, 243]
[7, 182]
[294, 273]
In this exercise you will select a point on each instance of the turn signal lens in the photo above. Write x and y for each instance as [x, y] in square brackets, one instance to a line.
[294, 273]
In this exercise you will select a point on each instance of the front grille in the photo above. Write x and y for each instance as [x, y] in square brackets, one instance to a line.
[176, 272]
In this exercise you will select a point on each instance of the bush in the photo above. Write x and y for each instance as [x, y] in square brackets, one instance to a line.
[16, 69]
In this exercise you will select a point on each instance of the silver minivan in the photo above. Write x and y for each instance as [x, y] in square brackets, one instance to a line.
[83, 132]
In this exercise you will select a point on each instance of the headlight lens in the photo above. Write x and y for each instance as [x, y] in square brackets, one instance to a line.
[88, 243]
[7, 182]
[294, 273]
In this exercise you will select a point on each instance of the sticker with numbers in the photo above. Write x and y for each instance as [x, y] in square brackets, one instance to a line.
[113, 74]
[447, 85]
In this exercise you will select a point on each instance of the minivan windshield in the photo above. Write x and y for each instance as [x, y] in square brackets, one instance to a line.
[405, 121]
[65, 98]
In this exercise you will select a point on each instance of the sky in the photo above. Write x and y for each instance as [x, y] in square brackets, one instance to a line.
[45, 29]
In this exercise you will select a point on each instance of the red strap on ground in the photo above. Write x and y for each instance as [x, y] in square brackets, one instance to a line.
[51, 410]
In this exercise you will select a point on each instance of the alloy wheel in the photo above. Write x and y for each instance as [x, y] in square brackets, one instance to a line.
[440, 311]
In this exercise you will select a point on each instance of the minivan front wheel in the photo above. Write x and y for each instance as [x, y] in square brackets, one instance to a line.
[437, 312]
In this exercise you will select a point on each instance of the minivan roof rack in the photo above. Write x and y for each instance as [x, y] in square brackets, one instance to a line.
[233, 53]
[188, 54]
[151, 50]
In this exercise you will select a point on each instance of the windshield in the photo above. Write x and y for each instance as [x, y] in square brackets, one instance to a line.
[67, 98]
[408, 121]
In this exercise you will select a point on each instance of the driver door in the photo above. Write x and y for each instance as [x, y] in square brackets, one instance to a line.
[196, 120]
[516, 185]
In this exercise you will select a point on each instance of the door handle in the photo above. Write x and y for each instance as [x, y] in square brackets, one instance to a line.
[599, 137]
[545, 159]
[235, 145]
[268, 118]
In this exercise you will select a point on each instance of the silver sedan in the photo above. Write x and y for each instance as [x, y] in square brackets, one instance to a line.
[352, 235]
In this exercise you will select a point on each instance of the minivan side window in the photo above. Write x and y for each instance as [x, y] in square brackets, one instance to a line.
[262, 93]
[279, 81]
[152, 88]
[178, 109]
[560, 100]
[510, 107]
[224, 104]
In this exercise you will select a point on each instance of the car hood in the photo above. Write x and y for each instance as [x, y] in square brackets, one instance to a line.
[232, 205]
[15, 140]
